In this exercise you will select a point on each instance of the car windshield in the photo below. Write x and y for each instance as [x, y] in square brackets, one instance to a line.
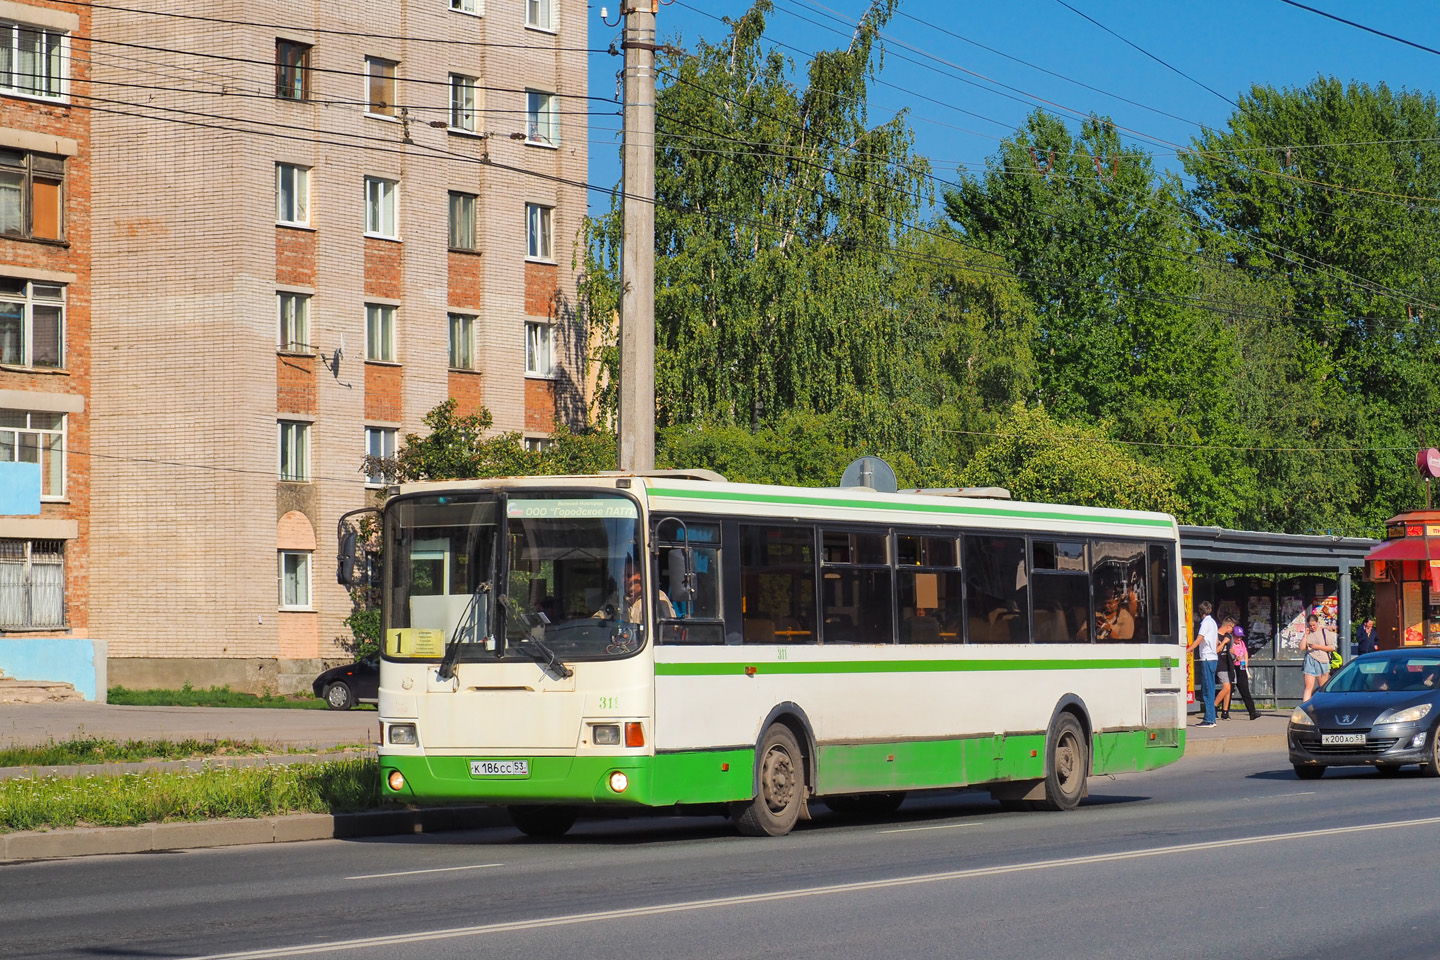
[1399, 674]
[564, 586]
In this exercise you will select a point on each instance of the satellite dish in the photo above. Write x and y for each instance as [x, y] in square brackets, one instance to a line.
[871, 472]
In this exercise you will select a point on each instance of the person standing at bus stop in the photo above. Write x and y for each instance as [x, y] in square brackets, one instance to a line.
[1240, 656]
[1207, 641]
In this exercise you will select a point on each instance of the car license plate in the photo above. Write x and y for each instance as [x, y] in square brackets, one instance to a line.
[499, 768]
[1342, 739]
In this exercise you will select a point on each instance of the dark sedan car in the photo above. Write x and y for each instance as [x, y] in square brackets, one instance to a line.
[1381, 710]
[343, 687]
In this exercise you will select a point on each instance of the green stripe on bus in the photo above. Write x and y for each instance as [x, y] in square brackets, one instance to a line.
[794, 667]
[717, 776]
[964, 510]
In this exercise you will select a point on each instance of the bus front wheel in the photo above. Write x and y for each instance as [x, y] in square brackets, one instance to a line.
[776, 807]
[1068, 765]
[543, 822]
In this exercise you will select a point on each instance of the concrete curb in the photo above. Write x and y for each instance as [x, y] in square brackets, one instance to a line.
[152, 837]
[1260, 743]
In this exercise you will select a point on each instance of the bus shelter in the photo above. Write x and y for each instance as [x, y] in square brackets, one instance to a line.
[1270, 582]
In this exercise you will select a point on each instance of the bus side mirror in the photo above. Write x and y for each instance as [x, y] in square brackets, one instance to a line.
[678, 567]
[345, 569]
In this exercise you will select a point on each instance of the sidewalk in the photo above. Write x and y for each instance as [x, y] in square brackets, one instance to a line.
[1239, 734]
[321, 730]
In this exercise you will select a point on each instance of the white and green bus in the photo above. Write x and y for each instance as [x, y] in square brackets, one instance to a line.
[560, 643]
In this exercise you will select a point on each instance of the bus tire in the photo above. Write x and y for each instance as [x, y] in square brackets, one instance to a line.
[543, 822]
[781, 768]
[1067, 764]
[865, 805]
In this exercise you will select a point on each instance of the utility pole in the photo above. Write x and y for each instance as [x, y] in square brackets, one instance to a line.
[637, 261]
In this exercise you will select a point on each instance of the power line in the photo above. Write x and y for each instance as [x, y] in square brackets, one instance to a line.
[1361, 26]
[1147, 53]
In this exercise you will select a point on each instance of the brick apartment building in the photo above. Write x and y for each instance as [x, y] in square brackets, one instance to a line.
[45, 407]
[314, 223]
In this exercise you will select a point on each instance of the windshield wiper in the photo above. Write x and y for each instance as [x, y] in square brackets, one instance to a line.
[452, 649]
[534, 625]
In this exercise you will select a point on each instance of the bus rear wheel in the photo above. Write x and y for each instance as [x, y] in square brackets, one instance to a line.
[1067, 765]
[776, 807]
[543, 822]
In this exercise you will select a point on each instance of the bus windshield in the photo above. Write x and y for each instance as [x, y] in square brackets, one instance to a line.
[565, 584]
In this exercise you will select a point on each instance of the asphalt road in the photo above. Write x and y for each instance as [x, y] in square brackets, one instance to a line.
[1216, 856]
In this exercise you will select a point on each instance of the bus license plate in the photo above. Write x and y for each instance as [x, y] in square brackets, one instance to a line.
[1342, 739]
[499, 768]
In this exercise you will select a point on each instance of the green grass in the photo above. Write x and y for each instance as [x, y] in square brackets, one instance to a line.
[94, 750]
[188, 696]
[212, 793]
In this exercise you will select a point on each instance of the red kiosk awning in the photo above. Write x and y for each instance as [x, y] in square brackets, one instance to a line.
[1410, 549]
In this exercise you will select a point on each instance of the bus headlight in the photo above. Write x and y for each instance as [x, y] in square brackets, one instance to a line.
[606, 734]
[618, 781]
[396, 780]
[403, 733]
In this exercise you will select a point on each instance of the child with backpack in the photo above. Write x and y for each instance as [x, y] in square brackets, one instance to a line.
[1240, 655]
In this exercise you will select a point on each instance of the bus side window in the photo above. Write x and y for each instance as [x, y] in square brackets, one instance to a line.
[692, 615]
[1119, 587]
[997, 608]
[777, 583]
[1162, 588]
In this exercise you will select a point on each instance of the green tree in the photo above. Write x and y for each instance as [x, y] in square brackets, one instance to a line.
[457, 448]
[1039, 458]
[777, 206]
[1329, 190]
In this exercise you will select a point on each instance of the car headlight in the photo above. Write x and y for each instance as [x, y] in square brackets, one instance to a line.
[1300, 718]
[402, 733]
[1407, 715]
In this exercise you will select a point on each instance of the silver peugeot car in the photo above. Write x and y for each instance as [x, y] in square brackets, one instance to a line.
[1381, 710]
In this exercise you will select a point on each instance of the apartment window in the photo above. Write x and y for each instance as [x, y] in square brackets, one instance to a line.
[462, 221]
[540, 14]
[32, 583]
[294, 451]
[32, 323]
[537, 231]
[462, 341]
[379, 452]
[379, 87]
[539, 356]
[467, 6]
[32, 195]
[295, 322]
[294, 579]
[542, 118]
[462, 103]
[32, 60]
[537, 444]
[380, 207]
[35, 436]
[379, 333]
[292, 70]
[292, 194]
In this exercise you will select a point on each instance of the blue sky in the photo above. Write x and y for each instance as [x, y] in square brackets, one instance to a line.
[959, 118]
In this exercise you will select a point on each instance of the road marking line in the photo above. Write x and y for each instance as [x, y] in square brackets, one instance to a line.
[411, 873]
[514, 926]
[938, 826]
[1277, 796]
